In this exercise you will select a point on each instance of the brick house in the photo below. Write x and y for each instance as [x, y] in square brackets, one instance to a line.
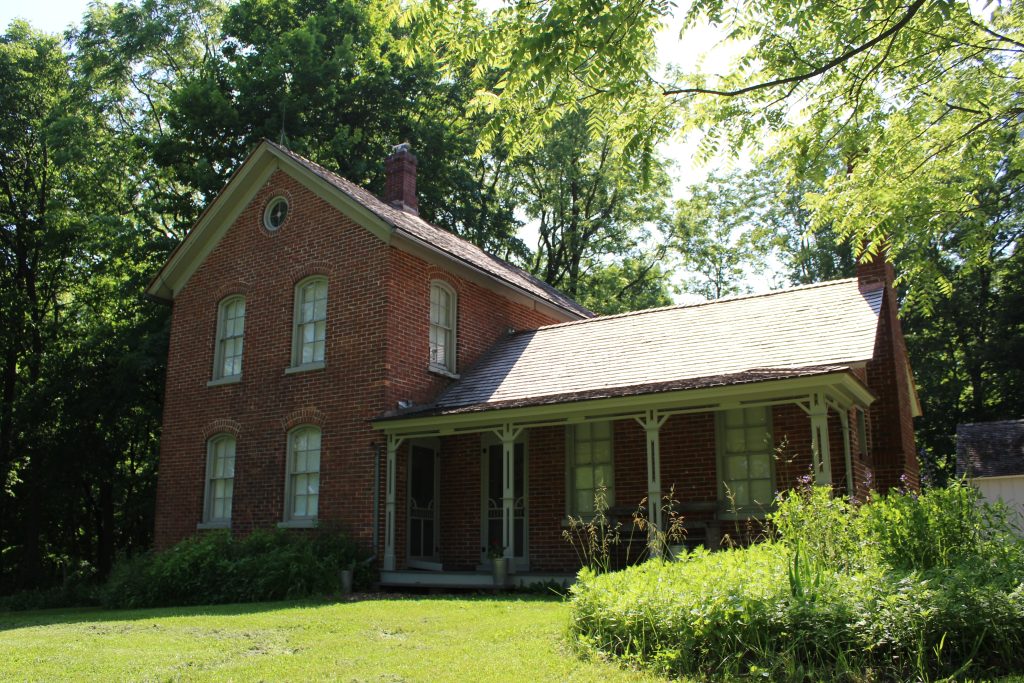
[337, 361]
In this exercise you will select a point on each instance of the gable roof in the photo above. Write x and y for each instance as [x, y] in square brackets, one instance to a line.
[809, 330]
[391, 220]
[990, 449]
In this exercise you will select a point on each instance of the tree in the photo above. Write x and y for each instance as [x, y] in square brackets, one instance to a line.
[590, 208]
[70, 249]
[920, 99]
[715, 237]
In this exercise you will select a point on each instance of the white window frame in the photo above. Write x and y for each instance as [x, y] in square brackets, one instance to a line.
[572, 443]
[223, 338]
[299, 324]
[749, 510]
[447, 328]
[291, 476]
[209, 500]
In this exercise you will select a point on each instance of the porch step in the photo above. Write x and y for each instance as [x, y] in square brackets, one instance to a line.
[480, 580]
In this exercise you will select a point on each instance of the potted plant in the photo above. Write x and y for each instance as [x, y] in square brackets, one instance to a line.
[499, 565]
[346, 578]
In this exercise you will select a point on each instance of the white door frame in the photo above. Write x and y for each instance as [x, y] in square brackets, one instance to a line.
[489, 440]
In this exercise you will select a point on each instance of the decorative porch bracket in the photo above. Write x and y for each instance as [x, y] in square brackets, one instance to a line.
[389, 506]
[508, 434]
[652, 421]
[819, 439]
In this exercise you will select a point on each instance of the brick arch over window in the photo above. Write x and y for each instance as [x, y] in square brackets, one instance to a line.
[307, 415]
[307, 269]
[221, 426]
[233, 288]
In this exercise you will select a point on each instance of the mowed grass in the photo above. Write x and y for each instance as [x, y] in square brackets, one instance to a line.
[398, 639]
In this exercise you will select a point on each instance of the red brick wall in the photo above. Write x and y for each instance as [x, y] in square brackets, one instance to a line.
[376, 353]
[483, 318]
[892, 425]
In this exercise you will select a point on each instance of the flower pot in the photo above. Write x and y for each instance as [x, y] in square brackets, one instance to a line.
[346, 581]
[500, 568]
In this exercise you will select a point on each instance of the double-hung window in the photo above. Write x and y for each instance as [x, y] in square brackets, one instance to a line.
[220, 480]
[302, 492]
[443, 313]
[590, 466]
[230, 331]
[310, 334]
[746, 454]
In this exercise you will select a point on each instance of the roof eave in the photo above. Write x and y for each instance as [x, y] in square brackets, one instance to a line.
[843, 384]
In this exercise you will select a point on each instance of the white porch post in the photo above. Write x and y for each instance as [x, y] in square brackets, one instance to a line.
[844, 417]
[819, 439]
[507, 434]
[389, 506]
[652, 422]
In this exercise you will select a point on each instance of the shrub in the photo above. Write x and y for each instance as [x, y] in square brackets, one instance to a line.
[78, 589]
[904, 588]
[216, 568]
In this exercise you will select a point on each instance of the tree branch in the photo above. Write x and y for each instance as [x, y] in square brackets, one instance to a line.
[912, 10]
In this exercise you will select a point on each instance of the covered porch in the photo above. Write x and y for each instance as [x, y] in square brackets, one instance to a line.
[465, 484]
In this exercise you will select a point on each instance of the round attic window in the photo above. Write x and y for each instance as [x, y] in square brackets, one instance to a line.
[275, 213]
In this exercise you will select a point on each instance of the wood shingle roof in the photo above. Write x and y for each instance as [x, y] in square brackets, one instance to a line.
[808, 330]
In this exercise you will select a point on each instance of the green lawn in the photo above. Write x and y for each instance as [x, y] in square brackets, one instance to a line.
[422, 639]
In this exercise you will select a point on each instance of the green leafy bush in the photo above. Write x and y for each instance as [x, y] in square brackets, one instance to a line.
[216, 568]
[78, 589]
[904, 588]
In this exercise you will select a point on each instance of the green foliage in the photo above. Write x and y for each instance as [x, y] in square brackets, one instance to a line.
[712, 233]
[215, 568]
[905, 587]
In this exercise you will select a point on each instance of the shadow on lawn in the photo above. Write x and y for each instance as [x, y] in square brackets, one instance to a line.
[16, 620]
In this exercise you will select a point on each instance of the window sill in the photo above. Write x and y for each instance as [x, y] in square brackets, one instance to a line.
[308, 367]
[443, 372]
[297, 524]
[213, 525]
[221, 381]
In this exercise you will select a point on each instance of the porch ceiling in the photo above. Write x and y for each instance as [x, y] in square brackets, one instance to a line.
[758, 387]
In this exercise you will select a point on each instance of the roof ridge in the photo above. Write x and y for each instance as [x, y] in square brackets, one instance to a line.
[362, 195]
[721, 300]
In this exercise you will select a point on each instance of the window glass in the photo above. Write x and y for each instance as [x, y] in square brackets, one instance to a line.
[442, 327]
[304, 473]
[746, 446]
[220, 483]
[591, 466]
[231, 327]
[310, 321]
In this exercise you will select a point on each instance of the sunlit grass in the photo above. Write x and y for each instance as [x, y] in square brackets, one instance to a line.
[418, 639]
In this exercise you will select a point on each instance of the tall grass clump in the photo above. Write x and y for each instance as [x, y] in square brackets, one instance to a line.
[217, 568]
[905, 587]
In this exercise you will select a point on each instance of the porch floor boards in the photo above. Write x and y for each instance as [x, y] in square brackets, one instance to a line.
[415, 578]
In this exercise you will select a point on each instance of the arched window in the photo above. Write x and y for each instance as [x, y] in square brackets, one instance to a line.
[220, 480]
[309, 338]
[230, 331]
[302, 488]
[443, 319]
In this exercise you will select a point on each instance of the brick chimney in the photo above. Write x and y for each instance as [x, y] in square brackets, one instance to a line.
[875, 271]
[400, 179]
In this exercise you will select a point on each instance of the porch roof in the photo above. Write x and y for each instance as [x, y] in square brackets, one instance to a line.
[803, 331]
